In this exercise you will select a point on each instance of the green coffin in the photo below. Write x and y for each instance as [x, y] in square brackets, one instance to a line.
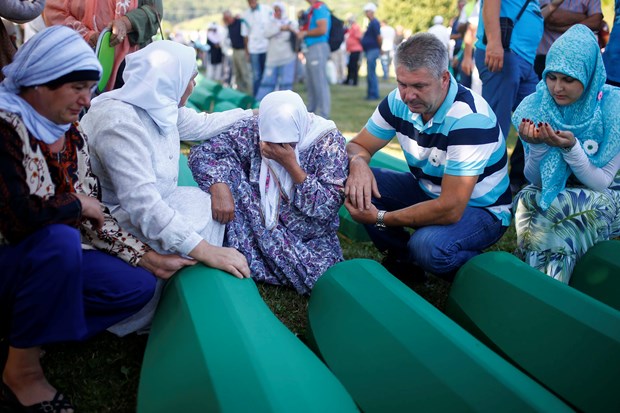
[215, 346]
[597, 273]
[565, 340]
[395, 352]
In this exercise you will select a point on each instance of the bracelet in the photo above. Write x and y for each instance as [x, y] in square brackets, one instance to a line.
[380, 224]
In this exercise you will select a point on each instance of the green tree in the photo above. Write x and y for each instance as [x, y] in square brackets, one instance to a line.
[415, 15]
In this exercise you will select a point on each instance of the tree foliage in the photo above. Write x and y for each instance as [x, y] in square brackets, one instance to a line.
[416, 15]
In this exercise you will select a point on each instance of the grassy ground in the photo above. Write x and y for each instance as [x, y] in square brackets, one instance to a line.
[102, 375]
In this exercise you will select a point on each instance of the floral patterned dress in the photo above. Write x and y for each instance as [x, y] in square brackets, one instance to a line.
[552, 240]
[304, 244]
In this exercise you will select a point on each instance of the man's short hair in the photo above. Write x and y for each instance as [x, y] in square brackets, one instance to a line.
[423, 51]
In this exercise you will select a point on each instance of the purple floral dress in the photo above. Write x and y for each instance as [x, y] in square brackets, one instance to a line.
[304, 244]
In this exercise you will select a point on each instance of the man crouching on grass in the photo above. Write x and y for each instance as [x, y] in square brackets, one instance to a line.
[456, 195]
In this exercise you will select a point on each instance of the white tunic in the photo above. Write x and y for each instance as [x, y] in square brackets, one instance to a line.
[138, 168]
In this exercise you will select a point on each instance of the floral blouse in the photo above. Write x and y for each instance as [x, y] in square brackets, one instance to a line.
[36, 187]
[304, 243]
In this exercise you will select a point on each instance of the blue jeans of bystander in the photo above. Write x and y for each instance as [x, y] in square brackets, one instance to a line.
[373, 83]
[277, 78]
[257, 61]
[439, 249]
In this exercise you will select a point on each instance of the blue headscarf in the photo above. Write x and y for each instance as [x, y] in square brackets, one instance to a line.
[594, 118]
[50, 54]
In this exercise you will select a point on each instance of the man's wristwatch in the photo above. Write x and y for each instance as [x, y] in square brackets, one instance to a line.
[380, 224]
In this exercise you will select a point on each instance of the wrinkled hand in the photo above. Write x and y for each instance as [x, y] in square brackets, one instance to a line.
[363, 216]
[222, 203]
[164, 266]
[361, 185]
[229, 260]
[92, 40]
[282, 153]
[494, 57]
[92, 210]
[119, 30]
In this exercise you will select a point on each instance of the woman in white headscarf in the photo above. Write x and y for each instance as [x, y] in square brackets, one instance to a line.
[277, 181]
[135, 135]
[61, 278]
[281, 59]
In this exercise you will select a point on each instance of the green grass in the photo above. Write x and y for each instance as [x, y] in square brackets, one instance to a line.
[101, 375]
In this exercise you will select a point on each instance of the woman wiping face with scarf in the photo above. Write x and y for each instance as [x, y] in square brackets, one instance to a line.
[571, 132]
[277, 181]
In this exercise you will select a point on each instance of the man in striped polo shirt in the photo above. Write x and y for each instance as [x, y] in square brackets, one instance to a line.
[456, 195]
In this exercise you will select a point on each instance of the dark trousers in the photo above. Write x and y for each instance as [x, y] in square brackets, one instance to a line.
[353, 68]
[53, 291]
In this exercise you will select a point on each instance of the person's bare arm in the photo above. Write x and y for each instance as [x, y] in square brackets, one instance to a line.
[319, 30]
[447, 209]
[361, 185]
[467, 65]
[548, 9]
[494, 57]
[562, 20]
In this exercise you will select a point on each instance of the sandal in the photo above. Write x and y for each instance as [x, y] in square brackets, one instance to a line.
[59, 403]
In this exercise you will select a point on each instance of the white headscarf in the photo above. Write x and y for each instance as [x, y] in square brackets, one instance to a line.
[284, 118]
[156, 78]
[52, 53]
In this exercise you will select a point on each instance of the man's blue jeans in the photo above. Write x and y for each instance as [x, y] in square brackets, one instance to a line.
[373, 83]
[505, 90]
[257, 61]
[438, 249]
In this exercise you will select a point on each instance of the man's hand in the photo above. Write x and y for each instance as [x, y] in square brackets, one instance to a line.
[494, 57]
[467, 65]
[91, 210]
[363, 216]
[361, 185]
[222, 203]
[163, 266]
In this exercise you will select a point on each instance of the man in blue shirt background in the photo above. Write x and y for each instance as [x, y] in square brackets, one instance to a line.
[315, 35]
[371, 42]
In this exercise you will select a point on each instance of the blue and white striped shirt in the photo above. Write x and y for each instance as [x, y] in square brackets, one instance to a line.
[462, 139]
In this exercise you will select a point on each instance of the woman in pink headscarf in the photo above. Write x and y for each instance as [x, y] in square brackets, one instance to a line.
[132, 22]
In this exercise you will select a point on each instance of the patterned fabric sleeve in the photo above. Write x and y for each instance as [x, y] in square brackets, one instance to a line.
[27, 199]
[225, 157]
[322, 193]
[111, 238]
